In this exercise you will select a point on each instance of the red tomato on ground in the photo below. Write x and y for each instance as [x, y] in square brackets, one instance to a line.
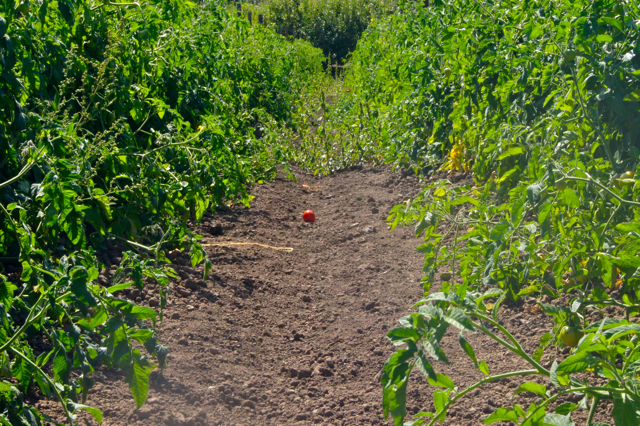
[309, 216]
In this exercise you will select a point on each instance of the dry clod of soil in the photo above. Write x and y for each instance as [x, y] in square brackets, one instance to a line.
[216, 229]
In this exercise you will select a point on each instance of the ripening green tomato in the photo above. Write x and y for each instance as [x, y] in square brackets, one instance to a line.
[583, 276]
[570, 55]
[625, 179]
[618, 9]
[446, 276]
[582, 279]
[561, 185]
[571, 336]
[24, 8]
[447, 72]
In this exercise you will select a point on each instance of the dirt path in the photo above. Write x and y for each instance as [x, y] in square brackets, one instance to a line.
[279, 338]
[274, 337]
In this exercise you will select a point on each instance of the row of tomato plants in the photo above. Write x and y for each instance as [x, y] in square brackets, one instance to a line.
[538, 101]
[120, 122]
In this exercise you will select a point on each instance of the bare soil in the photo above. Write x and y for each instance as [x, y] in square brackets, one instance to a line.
[277, 338]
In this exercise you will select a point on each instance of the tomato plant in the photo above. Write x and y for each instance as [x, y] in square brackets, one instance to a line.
[121, 122]
[535, 102]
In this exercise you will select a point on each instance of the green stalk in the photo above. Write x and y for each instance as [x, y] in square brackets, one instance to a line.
[478, 384]
[30, 320]
[516, 345]
[629, 356]
[613, 194]
[46, 377]
[592, 410]
[23, 172]
[553, 398]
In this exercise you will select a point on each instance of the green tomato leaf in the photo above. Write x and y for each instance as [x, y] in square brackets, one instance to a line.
[6, 292]
[440, 400]
[577, 362]
[566, 408]
[139, 379]
[531, 387]
[457, 318]
[424, 366]
[399, 335]
[95, 412]
[119, 287]
[466, 347]
[626, 410]
[502, 415]
[442, 381]
[557, 420]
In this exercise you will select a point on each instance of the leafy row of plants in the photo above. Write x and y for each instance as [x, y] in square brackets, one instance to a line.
[538, 101]
[332, 25]
[120, 122]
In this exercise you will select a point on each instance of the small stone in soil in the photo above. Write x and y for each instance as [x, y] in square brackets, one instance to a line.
[175, 315]
[304, 374]
[249, 404]
[191, 284]
[183, 342]
[375, 210]
[190, 308]
[306, 298]
[324, 372]
[214, 351]
[153, 302]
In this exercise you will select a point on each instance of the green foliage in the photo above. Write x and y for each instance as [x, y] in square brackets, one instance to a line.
[537, 99]
[334, 26]
[491, 79]
[121, 122]
[607, 349]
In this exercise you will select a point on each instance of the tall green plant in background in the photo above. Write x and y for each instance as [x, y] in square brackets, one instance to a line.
[120, 122]
[332, 25]
[432, 80]
[539, 101]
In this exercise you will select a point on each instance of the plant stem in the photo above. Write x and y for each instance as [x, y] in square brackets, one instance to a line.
[30, 319]
[516, 345]
[613, 194]
[22, 172]
[53, 386]
[478, 384]
[592, 410]
[551, 399]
